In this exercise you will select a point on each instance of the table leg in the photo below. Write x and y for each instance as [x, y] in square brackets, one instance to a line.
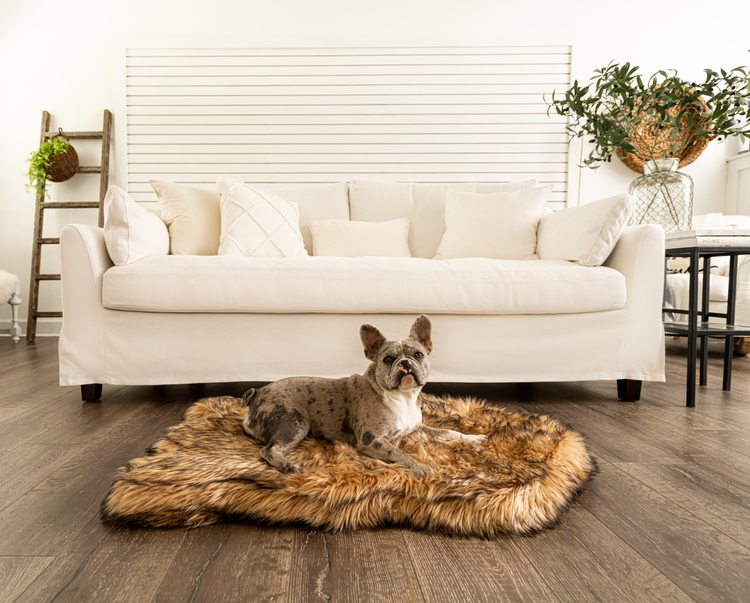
[705, 300]
[692, 342]
[729, 340]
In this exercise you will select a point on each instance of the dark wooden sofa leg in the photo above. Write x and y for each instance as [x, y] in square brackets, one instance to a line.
[91, 392]
[629, 390]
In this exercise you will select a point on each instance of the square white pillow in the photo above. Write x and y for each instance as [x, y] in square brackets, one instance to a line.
[499, 226]
[348, 239]
[586, 234]
[192, 216]
[131, 232]
[257, 224]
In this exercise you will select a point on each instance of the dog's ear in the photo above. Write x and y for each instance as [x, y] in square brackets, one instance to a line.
[421, 330]
[372, 339]
[248, 397]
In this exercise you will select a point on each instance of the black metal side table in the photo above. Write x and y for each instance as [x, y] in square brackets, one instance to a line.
[703, 329]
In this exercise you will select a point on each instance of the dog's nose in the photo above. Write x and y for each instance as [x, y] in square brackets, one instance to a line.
[405, 364]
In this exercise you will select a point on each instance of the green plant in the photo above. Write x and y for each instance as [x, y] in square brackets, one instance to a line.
[39, 162]
[655, 118]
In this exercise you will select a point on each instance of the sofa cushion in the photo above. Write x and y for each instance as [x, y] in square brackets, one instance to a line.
[348, 239]
[361, 285]
[194, 217]
[316, 202]
[256, 224]
[420, 203]
[585, 234]
[131, 232]
[501, 225]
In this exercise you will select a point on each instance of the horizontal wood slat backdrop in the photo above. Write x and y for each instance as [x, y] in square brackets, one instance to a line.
[328, 115]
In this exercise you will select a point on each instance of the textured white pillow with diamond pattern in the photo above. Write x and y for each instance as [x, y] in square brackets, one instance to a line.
[257, 224]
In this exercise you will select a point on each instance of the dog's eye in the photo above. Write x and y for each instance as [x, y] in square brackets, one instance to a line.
[418, 355]
[388, 359]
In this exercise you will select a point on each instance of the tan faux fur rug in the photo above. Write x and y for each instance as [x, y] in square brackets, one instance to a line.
[207, 470]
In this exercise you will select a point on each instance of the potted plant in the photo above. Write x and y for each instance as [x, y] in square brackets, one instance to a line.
[55, 160]
[652, 125]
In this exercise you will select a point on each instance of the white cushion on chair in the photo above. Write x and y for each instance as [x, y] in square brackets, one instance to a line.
[131, 232]
[7, 285]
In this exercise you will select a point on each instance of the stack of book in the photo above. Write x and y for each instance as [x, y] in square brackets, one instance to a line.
[709, 237]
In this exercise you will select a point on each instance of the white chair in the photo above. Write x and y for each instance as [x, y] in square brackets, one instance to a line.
[10, 290]
[678, 284]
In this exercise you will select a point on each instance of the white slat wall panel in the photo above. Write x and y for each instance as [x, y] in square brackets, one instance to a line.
[268, 116]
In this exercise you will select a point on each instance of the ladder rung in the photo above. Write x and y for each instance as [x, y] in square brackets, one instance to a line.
[48, 314]
[49, 241]
[90, 169]
[47, 277]
[76, 134]
[69, 204]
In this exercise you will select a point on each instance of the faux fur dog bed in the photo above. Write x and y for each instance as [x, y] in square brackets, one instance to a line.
[207, 470]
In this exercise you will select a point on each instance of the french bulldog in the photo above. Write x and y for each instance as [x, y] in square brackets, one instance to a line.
[369, 411]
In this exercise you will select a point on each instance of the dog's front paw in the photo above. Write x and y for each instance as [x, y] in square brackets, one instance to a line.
[291, 468]
[420, 469]
[474, 439]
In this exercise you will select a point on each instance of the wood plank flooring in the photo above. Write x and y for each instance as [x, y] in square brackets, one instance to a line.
[667, 518]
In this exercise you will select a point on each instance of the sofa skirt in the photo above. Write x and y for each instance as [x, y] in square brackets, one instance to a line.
[140, 348]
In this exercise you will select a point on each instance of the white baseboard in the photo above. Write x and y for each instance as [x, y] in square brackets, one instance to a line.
[45, 327]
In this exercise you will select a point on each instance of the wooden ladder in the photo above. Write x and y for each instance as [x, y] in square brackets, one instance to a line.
[36, 252]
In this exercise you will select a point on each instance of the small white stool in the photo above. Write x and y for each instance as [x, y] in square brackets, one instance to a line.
[10, 291]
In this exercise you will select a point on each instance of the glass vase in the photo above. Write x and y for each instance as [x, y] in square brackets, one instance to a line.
[663, 196]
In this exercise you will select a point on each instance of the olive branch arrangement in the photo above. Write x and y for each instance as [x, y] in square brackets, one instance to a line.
[655, 118]
[658, 118]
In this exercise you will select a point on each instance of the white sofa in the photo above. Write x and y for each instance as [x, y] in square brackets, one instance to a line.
[190, 319]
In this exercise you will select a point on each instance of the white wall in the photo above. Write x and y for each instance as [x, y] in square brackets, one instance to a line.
[58, 56]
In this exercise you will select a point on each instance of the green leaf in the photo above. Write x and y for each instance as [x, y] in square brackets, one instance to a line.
[39, 162]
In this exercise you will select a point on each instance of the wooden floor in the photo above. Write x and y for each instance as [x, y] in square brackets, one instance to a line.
[666, 519]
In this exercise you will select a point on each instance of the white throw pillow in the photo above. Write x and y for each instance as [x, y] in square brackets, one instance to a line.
[499, 226]
[192, 216]
[585, 234]
[421, 203]
[347, 239]
[316, 202]
[131, 232]
[257, 224]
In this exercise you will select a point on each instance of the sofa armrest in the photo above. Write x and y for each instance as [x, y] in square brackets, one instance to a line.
[639, 255]
[84, 260]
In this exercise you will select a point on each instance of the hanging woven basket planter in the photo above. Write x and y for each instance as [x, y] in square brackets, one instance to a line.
[651, 138]
[62, 166]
